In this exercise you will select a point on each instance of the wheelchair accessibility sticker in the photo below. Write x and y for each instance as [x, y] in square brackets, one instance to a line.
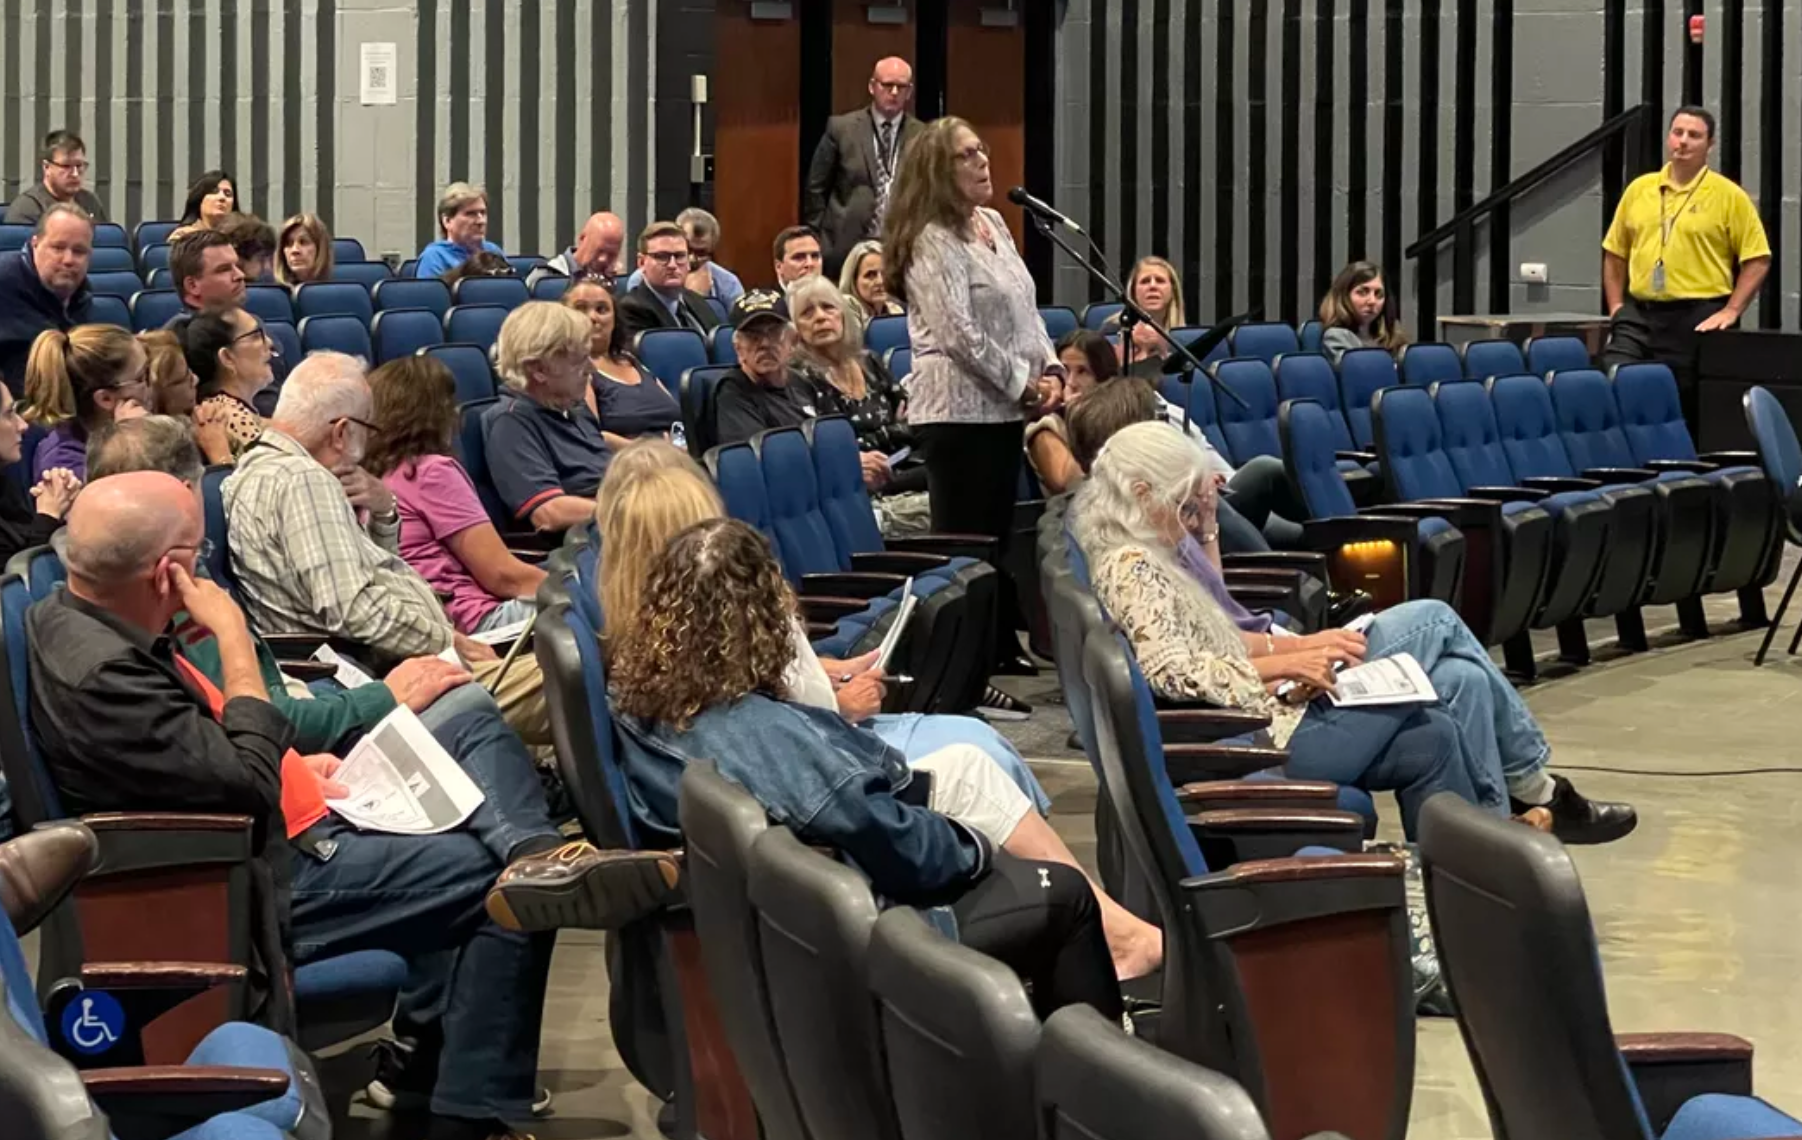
[93, 1022]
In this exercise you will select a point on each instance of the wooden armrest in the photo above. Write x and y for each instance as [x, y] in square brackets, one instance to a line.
[1275, 819]
[898, 561]
[1677, 1048]
[1307, 561]
[1695, 465]
[186, 1080]
[160, 975]
[1192, 763]
[1205, 726]
[1730, 458]
[1556, 483]
[529, 555]
[307, 672]
[830, 609]
[1233, 835]
[1619, 474]
[1263, 576]
[164, 821]
[851, 584]
[1313, 868]
[1507, 494]
[1212, 795]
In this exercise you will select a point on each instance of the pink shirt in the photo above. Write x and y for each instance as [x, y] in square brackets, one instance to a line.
[437, 500]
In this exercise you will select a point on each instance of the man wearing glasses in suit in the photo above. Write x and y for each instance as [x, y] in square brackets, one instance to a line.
[854, 167]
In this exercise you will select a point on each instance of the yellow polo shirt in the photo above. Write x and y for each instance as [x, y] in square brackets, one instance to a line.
[1702, 230]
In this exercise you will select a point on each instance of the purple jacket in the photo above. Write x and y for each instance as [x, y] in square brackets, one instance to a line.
[1193, 559]
[66, 445]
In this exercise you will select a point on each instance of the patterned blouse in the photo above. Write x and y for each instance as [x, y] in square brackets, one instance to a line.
[1188, 648]
[973, 318]
[242, 424]
[877, 417]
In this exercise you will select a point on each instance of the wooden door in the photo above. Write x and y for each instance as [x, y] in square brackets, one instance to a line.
[757, 136]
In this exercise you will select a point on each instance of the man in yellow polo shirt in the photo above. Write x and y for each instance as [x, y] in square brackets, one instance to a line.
[1685, 255]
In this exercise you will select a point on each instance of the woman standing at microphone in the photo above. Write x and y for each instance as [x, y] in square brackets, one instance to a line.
[982, 362]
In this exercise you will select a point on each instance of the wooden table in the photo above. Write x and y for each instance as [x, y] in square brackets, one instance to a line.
[1517, 327]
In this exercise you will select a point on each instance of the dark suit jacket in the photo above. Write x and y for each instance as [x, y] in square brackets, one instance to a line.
[642, 309]
[841, 183]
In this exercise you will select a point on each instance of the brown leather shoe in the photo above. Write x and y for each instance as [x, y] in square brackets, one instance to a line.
[578, 885]
[39, 868]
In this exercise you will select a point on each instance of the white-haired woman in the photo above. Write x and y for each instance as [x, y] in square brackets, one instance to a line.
[545, 451]
[1149, 505]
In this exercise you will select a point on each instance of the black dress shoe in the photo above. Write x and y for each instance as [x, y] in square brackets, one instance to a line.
[1019, 665]
[1577, 820]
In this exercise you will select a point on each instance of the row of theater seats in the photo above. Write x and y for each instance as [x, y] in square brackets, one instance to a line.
[1289, 973]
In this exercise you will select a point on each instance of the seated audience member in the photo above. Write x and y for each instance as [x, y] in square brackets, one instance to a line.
[595, 254]
[329, 718]
[313, 541]
[546, 455]
[862, 284]
[304, 251]
[211, 199]
[797, 252]
[175, 393]
[128, 723]
[44, 286]
[706, 277]
[445, 534]
[28, 520]
[480, 264]
[655, 490]
[1158, 289]
[463, 220]
[627, 401]
[64, 162]
[253, 240]
[1257, 500]
[77, 381]
[204, 270]
[698, 673]
[763, 391]
[662, 300]
[845, 380]
[1151, 490]
[229, 352]
[1356, 313]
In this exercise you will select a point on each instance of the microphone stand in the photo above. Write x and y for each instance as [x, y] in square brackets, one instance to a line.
[1131, 313]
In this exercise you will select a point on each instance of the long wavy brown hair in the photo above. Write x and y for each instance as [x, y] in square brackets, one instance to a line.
[714, 624]
[652, 491]
[1336, 307]
[414, 400]
[924, 192]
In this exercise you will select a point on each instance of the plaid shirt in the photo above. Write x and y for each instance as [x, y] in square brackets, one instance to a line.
[306, 565]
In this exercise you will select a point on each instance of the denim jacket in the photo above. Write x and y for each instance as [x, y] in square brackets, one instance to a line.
[829, 782]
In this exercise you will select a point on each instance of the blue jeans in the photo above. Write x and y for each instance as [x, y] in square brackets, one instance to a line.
[1414, 750]
[507, 613]
[422, 897]
[916, 734]
[1492, 719]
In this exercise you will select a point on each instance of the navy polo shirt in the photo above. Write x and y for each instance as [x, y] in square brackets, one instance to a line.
[536, 453]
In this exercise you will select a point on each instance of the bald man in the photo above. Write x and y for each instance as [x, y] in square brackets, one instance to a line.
[127, 724]
[595, 254]
[854, 166]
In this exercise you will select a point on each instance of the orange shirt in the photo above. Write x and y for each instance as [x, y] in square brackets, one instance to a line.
[303, 804]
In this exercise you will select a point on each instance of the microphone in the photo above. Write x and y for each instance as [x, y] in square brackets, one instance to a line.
[1019, 197]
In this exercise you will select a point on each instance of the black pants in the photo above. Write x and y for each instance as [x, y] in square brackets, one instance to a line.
[1664, 331]
[973, 476]
[1043, 921]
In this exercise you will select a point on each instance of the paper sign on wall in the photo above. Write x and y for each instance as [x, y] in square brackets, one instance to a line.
[380, 85]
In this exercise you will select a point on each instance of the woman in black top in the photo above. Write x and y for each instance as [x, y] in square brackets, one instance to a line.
[27, 520]
[848, 381]
[628, 401]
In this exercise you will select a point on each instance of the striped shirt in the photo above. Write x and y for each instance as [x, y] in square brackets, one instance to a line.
[305, 564]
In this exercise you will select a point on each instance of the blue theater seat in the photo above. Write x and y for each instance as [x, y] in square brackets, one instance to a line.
[336, 333]
[720, 348]
[153, 257]
[884, 333]
[333, 299]
[1363, 372]
[1780, 455]
[1310, 335]
[550, 287]
[507, 292]
[1429, 362]
[1486, 358]
[1310, 376]
[1251, 430]
[479, 325]
[696, 398]
[1059, 320]
[1549, 354]
[412, 293]
[1095, 317]
[110, 235]
[367, 274]
[1203, 413]
[287, 343]
[121, 284]
[13, 236]
[269, 302]
[148, 234]
[474, 454]
[110, 260]
[1265, 340]
[899, 361]
[107, 309]
[154, 308]
[469, 364]
[668, 353]
[1508, 546]
[345, 250]
[404, 332]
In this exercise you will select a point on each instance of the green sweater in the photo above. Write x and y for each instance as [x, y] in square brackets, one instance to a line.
[323, 724]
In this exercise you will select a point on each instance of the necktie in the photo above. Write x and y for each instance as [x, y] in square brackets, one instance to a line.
[687, 319]
[885, 171]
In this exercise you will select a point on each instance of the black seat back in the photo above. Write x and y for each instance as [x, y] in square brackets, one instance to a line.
[1519, 956]
[959, 1032]
[814, 916]
[1096, 1083]
[720, 822]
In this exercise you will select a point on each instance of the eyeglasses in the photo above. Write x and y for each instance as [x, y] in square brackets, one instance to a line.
[77, 167]
[203, 549]
[259, 333]
[970, 153]
[668, 257]
[894, 88]
[364, 424]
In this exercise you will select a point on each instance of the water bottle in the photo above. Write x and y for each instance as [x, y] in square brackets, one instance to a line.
[677, 436]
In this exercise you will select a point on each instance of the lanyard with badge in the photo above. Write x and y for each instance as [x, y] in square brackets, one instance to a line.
[1667, 223]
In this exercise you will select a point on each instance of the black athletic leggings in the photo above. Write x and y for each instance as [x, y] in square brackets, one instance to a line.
[1043, 921]
[973, 476]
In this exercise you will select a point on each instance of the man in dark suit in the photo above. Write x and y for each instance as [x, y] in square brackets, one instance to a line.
[848, 183]
[660, 301]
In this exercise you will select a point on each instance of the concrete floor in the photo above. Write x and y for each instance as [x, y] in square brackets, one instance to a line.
[1695, 911]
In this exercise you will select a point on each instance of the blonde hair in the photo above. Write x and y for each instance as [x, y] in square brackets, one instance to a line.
[536, 331]
[653, 491]
[66, 369]
[323, 259]
[1174, 314]
[812, 291]
[168, 364]
[1110, 509]
[847, 276]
